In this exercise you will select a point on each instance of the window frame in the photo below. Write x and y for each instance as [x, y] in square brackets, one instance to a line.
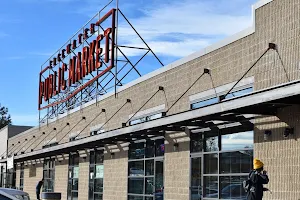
[145, 159]
[48, 167]
[71, 167]
[93, 165]
[21, 183]
[220, 151]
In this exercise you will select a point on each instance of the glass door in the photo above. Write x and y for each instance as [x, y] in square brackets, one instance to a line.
[196, 179]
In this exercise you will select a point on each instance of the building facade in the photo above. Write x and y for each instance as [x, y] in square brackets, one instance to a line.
[180, 133]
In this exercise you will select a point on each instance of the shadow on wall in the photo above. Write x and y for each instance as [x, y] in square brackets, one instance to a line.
[277, 128]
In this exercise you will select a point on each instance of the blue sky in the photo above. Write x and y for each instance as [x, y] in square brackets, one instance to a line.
[32, 30]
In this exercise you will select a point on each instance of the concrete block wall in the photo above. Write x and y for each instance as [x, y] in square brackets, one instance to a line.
[177, 167]
[280, 155]
[61, 176]
[32, 174]
[115, 176]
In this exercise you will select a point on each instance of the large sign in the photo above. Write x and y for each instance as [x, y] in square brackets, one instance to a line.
[79, 64]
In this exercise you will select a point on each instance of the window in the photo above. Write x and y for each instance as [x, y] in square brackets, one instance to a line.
[209, 101]
[145, 119]
[96, 175]
[22, 176]
[204, 103]
[73, 176]
[10, 178]
[50, 145]
[97, 132]
[145, 170]
[49, 175]
[227, 161]
[238, 93]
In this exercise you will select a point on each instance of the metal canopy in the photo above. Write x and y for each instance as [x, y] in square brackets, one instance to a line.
[227, 116]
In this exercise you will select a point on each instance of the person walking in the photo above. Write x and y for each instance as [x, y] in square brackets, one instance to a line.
[38, 188]
[257, 178]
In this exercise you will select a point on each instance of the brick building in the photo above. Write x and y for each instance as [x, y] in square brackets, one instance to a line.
[191, 140]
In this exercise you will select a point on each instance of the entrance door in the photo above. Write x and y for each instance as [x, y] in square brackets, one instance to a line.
[196, 179]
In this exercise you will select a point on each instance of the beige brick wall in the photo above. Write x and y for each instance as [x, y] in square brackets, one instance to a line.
[83, 186]
[281, 156]
[115, 176]
[61, 176]
[177, 167]
[32, 175]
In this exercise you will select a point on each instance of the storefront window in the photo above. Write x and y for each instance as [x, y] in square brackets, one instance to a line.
[22, 176]
[209, 101]
[145, 170]
[145, 119]
[49, 175]
[73, 176]
[96, 175]
[226, 161]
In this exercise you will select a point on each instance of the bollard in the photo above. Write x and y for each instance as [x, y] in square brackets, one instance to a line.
[51, 196]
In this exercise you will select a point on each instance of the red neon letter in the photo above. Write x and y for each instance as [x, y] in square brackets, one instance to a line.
[41, 92]
[85, 64]
[55, 92]
[99, 51]
[106, 34]
[72, 71]
[91, 60]
[62, 80]
[78, 67]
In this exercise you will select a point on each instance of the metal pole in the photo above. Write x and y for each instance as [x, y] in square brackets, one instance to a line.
[116, 43]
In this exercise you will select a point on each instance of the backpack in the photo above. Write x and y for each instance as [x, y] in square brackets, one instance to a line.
[247, 184]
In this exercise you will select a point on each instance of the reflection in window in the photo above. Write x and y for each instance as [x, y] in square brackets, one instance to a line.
[73, 176]
[136, 168]
[96, 175]
[49, 175]
[145, 119]
[196, 143]
[204, 103]
[236, 141]
[231, 187]
[236, 162]
[211, 144]
[22, 176]
[214, 100]
[238, 93]
[224, 169]
[211, 163]
[211, 186]
[145, 170]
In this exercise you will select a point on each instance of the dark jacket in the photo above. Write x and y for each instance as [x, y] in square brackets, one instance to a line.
[257, 189]
[39, 186]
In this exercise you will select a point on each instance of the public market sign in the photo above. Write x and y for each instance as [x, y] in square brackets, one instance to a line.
[68, 69]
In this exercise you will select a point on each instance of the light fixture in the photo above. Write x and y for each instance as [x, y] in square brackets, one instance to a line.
[112, 155]
[288, 131]
[267, 134]
[175, 147]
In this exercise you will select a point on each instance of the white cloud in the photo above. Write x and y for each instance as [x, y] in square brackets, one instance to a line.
[179, 28]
